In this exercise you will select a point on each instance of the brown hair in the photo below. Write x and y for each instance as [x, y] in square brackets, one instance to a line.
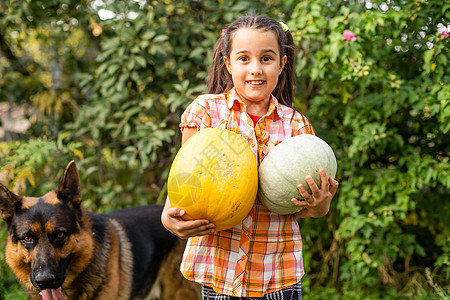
[220, 81]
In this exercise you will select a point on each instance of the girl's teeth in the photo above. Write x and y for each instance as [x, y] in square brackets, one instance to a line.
[256, 82]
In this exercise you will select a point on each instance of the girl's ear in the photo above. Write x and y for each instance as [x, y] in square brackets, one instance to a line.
[283, 62]
[227, 63]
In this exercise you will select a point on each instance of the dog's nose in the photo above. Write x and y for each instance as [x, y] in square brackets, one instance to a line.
[45, 279]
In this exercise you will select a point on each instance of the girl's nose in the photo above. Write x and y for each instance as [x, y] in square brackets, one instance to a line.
[255, 68]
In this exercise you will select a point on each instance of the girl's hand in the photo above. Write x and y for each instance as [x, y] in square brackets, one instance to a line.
[316, 204]
[171, 218]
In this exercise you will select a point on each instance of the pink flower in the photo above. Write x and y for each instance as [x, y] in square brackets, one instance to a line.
[349, 36]
[445, 34]
[224, 31]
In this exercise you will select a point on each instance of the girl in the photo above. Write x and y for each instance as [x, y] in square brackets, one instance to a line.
[251, 91]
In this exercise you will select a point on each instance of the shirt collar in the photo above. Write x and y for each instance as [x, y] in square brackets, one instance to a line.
[233, 102]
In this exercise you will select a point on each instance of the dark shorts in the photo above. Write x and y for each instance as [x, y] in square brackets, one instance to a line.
[290, 293]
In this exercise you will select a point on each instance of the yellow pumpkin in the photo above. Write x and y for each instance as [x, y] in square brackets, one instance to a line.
[214, 176]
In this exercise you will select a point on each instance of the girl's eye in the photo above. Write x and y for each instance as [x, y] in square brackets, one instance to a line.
[243, 58]
[266, 58]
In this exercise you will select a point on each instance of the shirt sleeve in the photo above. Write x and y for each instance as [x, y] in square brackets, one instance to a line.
[302, 125]
[197, 114]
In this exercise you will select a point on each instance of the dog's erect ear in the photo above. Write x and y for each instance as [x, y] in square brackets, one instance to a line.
[69, 186]
[8, 201]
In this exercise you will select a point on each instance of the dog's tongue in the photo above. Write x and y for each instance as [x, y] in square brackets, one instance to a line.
[55, 294]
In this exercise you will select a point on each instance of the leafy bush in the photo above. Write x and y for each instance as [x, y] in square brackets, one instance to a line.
[382, 101]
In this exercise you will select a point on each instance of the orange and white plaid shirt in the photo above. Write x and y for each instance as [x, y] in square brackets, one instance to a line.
[263, 253]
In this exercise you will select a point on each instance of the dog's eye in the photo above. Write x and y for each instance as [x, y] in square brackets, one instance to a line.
[60, 235]
[28, 239]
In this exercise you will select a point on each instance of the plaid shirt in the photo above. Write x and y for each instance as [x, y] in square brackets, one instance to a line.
[263, 253]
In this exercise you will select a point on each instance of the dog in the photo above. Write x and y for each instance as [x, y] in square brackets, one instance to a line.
[59, 250]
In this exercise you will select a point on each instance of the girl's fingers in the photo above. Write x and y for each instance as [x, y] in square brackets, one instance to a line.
[203, 232]
[304, 193]
[313, 186]
[188, 228]
[316, 203]
[196, 232]
[175, 212]
[300, 203]
[198, 225]
[324, 180]
[333, 186]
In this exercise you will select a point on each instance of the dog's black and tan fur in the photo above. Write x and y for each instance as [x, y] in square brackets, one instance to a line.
[56, 245]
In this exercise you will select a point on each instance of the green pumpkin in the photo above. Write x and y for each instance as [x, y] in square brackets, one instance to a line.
[287, 165]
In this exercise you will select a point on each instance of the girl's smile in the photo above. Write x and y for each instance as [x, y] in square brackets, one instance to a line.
[258, 82]
[255, 64]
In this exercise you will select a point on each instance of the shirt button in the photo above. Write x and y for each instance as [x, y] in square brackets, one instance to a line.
[243, 257]
[253, 144]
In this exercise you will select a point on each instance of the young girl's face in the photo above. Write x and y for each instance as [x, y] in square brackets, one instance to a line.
[255, 64]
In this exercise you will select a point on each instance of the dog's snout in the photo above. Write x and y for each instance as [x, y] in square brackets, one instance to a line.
[45, 278]
[44, 275]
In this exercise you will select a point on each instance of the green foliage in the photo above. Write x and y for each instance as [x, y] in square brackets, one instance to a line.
[382, 102]
[109, 93]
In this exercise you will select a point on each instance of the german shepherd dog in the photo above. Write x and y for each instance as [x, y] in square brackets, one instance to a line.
[59, 250]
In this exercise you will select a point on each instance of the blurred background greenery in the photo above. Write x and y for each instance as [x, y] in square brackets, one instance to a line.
[104, 82]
